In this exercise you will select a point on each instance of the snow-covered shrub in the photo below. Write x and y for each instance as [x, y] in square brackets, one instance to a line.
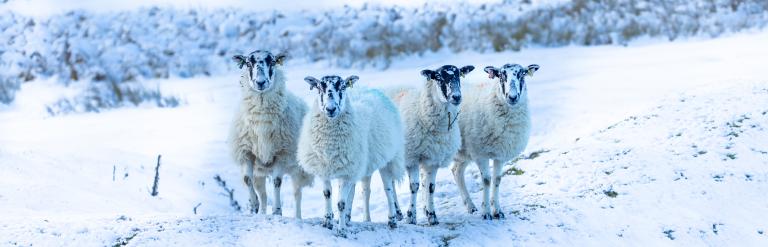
[162, 42]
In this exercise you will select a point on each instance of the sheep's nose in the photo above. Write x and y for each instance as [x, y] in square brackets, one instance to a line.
[330, 109]
[456, 98]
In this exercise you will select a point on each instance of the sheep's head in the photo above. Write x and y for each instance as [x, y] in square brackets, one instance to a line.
[331, 90]
[259, 72]
[511, 80]
[448, 79]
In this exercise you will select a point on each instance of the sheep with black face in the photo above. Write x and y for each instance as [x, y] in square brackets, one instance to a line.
[265, 131]
[495, 126]
[432, 135]
[347, 135]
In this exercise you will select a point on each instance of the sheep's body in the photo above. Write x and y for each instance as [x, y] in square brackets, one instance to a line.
[264, 140]
[491, 130]
[432, 139]
[365, 137]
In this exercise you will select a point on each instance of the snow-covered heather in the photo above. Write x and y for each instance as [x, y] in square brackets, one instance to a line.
[651, 144]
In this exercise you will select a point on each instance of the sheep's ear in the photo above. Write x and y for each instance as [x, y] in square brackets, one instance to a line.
[532, 68]
[351, 81]
[313, 83]
[240, 60]
[492, 72]
[466, 69]
[429, 74]
[280, 58]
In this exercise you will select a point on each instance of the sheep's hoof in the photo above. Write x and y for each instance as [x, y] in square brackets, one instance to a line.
[254, 210]
[278, 212]
[411, 217]
[499, 215]
[487, 216]
[393, 222]
[431, 217]
[349, 219]
[328, 222]
[471, 209]
[398, 215]
[340, 233]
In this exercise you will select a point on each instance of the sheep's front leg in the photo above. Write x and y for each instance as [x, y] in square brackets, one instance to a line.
[485, 173]
[346, 193]
[389, 191]
[413, 176]
[398, 213]
[497, 165]
[248, 179]
[277, 207]
[328, 222]
[297, 195]
[429, 174]
[366, 198]
[458, 175]
[260, 182]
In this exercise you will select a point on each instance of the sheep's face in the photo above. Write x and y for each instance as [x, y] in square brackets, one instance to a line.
[448, 79]
[259, 72]
[511, 80]
[332, 91]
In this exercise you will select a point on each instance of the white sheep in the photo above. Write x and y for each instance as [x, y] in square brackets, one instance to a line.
[348, 136]
[265, 131]
[495, 125]
[431, 131]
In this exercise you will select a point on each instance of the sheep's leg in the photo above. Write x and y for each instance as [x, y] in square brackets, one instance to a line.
[398, 213]
[485, 174]
[366, 198]
[277, 204]
[296, 180]
[497, 165]
[351, 198]
[413, 176]
[327, 223]
[389, 190]
[248, 179]
[346, 191]
[458, 175]
[428, 182]
[260, 182]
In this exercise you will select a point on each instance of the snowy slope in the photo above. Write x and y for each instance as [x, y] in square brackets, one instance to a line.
[686, 163]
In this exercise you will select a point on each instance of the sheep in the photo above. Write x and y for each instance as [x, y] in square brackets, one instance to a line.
[265, 131]
[347, 136]
[495, 126]
[431, 131]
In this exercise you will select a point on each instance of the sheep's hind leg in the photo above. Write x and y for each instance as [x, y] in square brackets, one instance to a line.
[260, 182]
[458, 175]
[248, 179]
[297, 183]
[486, 176]
[429, 174]
[328, 222]
[398, 212]
[366, 182]
[497, 213]
[389, 191]
[277, 207]
[413, 176]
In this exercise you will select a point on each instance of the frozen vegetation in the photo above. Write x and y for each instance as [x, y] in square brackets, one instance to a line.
[109, 51]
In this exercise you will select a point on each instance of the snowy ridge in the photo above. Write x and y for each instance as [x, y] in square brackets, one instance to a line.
[165, 42]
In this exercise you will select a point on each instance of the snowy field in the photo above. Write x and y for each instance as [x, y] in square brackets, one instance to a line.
[656, 143]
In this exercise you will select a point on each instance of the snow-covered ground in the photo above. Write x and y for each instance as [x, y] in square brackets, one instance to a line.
[655, 143]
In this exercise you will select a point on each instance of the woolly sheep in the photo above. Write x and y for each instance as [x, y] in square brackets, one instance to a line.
[431, 131]
[347, 136]
[265, 131]
[495, 125]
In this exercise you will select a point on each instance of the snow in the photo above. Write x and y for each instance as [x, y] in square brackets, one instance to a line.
[650, 144]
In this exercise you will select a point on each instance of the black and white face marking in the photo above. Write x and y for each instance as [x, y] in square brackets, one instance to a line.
[259, 68]
[448, 79]
[511, 80]
[332, 90]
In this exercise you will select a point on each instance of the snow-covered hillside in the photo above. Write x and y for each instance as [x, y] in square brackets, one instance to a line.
[659, 143]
